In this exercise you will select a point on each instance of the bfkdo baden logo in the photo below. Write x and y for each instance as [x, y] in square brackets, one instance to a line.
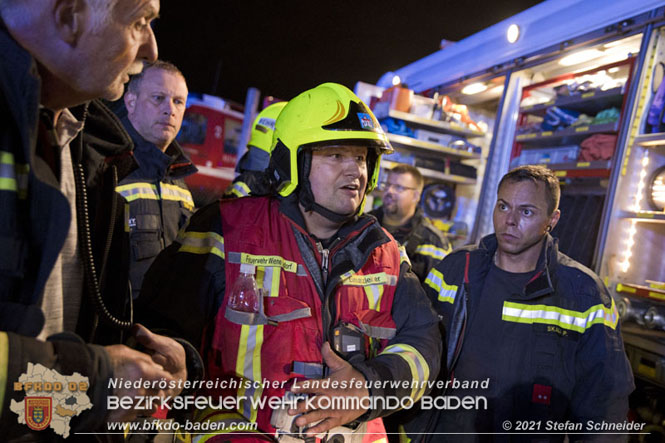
[51, 399]
[38, 412]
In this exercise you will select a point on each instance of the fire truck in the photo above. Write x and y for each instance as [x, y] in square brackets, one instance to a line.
[210, 136]
[577, 86]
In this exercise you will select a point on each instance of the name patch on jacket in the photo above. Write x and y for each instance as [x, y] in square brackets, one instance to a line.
[263, 260]
[371, 279]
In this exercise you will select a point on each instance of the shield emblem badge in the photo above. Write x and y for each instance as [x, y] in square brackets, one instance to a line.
[38, 412]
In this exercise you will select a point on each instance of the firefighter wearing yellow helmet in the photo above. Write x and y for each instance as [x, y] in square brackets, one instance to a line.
[252, 179]
[299, 285]
[327, 116]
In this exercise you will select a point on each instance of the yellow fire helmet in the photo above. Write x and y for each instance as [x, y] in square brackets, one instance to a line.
[264, 126]
[327, 115]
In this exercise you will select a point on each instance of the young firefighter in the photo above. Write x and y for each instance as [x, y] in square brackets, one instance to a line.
[542, 328]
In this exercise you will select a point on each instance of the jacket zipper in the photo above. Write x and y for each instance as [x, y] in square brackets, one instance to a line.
[324, 262]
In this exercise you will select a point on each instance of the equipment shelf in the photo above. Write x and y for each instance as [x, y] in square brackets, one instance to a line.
[432, 125]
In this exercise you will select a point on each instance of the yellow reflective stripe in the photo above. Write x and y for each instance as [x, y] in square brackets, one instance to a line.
[4, 362]
[248, 365]
[176, 193]
[201, 243]
[137, 191]
[235, 192]
[270, 279]
[13, 176]
[374, 294]
[8, 184]
[380, 278]
[403, 256]
[446, 292]
[432, 251]
[417, 364]
[403, 438]
[240, 189]
[6, 158]
[564, 318]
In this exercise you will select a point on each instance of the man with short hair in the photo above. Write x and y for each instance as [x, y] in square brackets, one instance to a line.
[158, 202]
[541, 328]
[401, 216]
[55, 55]
[334, 298]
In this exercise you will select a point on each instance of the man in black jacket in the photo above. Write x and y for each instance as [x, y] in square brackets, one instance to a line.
[531, 331]
[400, 215]
[156, 196]
[55, 55]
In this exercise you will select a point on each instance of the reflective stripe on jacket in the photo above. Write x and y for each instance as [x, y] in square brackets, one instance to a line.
[562, 332]
[276, 346]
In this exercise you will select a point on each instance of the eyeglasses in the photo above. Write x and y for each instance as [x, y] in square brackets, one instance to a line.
[398, 188]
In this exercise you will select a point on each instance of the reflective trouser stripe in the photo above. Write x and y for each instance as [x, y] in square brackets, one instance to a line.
[564, 318]
[374, 294]
[248, 365]
[432, 251]
[176, 193]
[201, 243]
[417, 364]
[4, 362]
[446, 292]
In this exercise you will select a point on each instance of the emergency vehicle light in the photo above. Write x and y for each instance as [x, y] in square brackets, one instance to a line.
[474, 88]
[513, 33]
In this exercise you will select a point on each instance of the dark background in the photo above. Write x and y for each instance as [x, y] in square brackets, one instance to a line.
[285, 47]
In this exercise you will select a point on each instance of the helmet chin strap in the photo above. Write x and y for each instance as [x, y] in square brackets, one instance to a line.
[306, 196]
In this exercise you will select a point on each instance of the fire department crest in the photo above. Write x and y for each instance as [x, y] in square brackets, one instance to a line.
[366, 121]
[38, 412]
[51, 399]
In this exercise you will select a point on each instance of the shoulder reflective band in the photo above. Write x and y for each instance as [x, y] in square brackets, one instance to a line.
[201, 243]
[239, 189]
[564, 318]
[432, 251]
[225, 422]
[417, 364]
[446, 292]
[403, 257]
[4, 363]
[176, 193]
[138, 191]
[13, 177]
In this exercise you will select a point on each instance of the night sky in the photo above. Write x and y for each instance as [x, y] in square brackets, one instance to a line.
[285, 47]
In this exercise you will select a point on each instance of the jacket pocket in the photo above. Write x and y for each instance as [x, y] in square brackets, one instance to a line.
[145, 244]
